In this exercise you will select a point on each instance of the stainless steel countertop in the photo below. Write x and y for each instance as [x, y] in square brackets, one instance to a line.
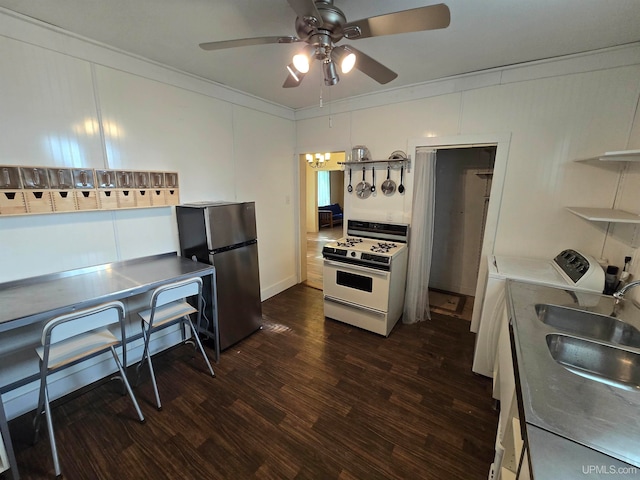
[591, 414]
[556, 458]
[34, 299]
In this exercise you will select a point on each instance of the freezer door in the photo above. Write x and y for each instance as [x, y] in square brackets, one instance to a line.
[230, 224]
[192, 233]
[238, 285]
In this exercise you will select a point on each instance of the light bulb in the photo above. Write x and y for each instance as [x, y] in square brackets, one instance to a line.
[348, 62]
[301, 62]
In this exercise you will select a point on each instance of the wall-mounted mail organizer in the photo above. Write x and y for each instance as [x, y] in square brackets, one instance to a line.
[28, 190]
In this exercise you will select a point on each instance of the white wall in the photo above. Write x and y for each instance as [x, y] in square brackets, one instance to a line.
[73, 103]
[70, 102]
[554, 112]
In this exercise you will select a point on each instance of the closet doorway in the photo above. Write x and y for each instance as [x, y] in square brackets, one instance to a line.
[463, 184]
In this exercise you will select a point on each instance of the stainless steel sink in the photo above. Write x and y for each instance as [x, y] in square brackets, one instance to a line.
[589, 324]
[603, 363]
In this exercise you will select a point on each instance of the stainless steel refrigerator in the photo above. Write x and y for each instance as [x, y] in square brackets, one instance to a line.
[224, 235]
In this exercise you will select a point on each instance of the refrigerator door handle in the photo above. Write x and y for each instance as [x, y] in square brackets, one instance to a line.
[232, 247]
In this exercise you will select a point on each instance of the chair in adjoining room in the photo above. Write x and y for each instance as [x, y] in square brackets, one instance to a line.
[169, 307]
[68, 340]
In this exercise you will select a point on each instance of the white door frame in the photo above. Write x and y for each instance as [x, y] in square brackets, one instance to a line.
[502, 142]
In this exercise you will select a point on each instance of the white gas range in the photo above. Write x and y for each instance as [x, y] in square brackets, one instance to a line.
[364, 275]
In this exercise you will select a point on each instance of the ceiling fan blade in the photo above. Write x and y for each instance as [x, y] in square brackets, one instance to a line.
[371, 67]
[414, 20]
[307, 11]
[291, 81]
[245, 42]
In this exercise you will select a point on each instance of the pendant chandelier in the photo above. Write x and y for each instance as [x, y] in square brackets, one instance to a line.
[317, 160]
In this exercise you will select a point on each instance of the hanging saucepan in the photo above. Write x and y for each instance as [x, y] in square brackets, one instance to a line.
[388, 187]
[363, 189]
[360, 153]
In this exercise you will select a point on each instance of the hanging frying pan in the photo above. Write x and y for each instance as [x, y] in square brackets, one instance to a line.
[363, 189]
[388, 187]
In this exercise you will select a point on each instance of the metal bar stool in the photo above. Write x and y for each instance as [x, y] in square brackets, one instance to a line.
[70, 339]
[168, 307]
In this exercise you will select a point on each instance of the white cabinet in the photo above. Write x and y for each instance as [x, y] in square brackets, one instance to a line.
[509, 441]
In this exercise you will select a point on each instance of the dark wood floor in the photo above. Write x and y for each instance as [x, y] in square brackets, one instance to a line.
[303, 398]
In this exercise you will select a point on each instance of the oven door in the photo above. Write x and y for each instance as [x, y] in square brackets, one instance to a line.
[357, 284]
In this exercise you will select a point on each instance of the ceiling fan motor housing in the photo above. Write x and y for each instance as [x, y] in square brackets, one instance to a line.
[332, 21]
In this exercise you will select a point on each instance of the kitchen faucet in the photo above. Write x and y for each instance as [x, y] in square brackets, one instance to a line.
[619, 296]
[620, 293]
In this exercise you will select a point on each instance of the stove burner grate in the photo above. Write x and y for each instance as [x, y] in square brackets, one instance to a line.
[349, 242]
[383, 247]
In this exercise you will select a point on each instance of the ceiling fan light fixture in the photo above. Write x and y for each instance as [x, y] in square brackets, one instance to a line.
[348, 62]
[302, 60]
[345, 58]
[330, 73]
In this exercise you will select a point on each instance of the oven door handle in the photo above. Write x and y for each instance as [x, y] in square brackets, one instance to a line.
[353, 305]
[349, 266]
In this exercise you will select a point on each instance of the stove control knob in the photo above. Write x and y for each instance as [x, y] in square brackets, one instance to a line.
[353, 254]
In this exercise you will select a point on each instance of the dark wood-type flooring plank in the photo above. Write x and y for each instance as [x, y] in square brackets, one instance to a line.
[303, 398]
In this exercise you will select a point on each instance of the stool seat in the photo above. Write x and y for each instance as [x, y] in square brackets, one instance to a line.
[78, 347]
[167, 313]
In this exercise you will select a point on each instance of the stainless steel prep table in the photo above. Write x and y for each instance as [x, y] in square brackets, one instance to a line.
[32, 300]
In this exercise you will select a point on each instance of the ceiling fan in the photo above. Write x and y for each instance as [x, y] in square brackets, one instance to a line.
[321, 25]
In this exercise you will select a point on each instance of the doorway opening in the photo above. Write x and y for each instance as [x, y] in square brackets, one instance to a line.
[463, 179]
[323, 193]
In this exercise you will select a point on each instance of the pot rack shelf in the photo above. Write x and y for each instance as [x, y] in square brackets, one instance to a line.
[406, 162]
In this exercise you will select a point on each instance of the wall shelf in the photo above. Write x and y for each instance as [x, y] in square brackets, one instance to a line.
[619, 156]
[605, 215]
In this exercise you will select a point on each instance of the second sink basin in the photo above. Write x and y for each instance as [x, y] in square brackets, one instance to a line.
[603, 363]
[589, 324]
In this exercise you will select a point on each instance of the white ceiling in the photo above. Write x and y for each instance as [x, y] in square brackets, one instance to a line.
[483, 34]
